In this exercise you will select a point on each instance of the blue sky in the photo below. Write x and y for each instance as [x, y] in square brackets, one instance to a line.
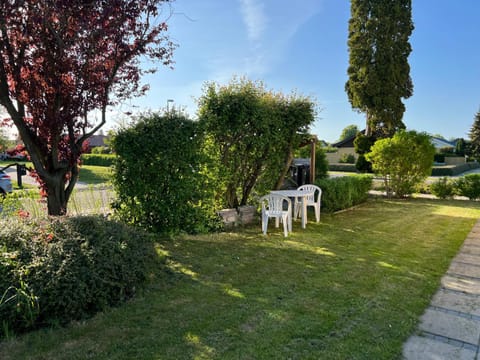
[302, 46]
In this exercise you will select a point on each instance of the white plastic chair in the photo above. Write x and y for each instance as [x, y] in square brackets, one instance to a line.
[313, 200]
[278, 207]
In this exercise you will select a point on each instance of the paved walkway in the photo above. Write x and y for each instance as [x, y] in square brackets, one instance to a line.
[450, 327]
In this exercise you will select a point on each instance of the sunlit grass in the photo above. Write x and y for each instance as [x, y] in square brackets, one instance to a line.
[89, 174]
[93, 175]
[96, 198]
[351, 287]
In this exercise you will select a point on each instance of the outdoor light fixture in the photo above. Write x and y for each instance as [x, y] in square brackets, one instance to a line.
[169, 101]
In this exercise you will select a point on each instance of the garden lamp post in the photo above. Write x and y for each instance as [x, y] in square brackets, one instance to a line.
[168, 102]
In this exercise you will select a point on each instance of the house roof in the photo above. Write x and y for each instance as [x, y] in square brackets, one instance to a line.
[97, 140]
[436, 141]
[348, 142]
[442, 143]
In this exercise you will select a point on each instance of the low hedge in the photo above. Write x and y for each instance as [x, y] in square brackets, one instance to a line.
[58, 270]
[342, 167]
[452, 170]
[343, 192]
[98, 159]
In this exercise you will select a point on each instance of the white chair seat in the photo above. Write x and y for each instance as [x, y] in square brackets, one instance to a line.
[278, 207]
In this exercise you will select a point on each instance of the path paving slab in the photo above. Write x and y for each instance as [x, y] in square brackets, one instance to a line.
[466, 269]
[467, 258]
[472, 240]
[467, 285]
[423, 348]
[471, 249]
[450, 326]
[454, 301]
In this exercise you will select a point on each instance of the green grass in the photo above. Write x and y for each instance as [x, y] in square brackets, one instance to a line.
[89, 174]
[95, 175]
[351, 287]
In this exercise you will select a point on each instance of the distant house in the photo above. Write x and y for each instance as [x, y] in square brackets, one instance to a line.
[345, 147]
[440, 143]
[96, 141]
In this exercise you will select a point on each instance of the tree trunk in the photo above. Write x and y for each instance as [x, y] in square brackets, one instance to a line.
[56, 196]
[231, 198]
[58, 191]
[283, 173]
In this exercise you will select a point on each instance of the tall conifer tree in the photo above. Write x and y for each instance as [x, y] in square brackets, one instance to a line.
[379, 73]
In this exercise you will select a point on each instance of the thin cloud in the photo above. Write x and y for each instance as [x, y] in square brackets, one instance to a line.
[254, 18]
[270, 32]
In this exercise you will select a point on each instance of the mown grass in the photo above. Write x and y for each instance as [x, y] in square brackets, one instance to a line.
[89, 174]
[95, 175]
[351, 287]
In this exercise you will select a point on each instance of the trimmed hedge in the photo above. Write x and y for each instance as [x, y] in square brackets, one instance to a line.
[344, 192]
[452, 170]
[98, 159]
[58, 270]
[342, 167]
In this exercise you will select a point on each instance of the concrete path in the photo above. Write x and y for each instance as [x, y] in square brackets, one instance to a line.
[27, 179]
[450, 327]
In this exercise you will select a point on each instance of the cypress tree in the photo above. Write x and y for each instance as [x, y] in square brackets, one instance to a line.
[379, 73]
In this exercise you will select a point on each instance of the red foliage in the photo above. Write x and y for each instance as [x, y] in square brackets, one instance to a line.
[17, 150]
[62, 59]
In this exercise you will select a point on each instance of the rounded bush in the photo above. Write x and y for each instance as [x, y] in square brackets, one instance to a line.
[159, 176]
[63, 269]
[469, 186]
[443, 188]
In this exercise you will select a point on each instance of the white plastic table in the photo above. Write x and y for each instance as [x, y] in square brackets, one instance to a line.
[302, 194]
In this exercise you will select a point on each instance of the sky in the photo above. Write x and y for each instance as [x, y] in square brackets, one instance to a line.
[301, 46]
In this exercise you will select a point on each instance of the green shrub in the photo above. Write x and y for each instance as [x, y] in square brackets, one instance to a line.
[439, 158]
[347, 159]
[98, 159]
[469, 186]
[62, 269]
[404, 161]
[363, 144]
[362, 164]
[343, 167]
[165, 189]
[343, 192]
[101, 150]
[443, 188]
[321, 162]
[447, 150]
[251, 135]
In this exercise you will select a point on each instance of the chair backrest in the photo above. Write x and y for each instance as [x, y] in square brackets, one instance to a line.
[275, 203]
[317, 192]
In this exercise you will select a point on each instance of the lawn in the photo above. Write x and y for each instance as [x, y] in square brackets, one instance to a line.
[89, 174]
[351, 287]
[94, 175]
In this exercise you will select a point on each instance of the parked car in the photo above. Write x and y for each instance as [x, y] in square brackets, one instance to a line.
[5, 183]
